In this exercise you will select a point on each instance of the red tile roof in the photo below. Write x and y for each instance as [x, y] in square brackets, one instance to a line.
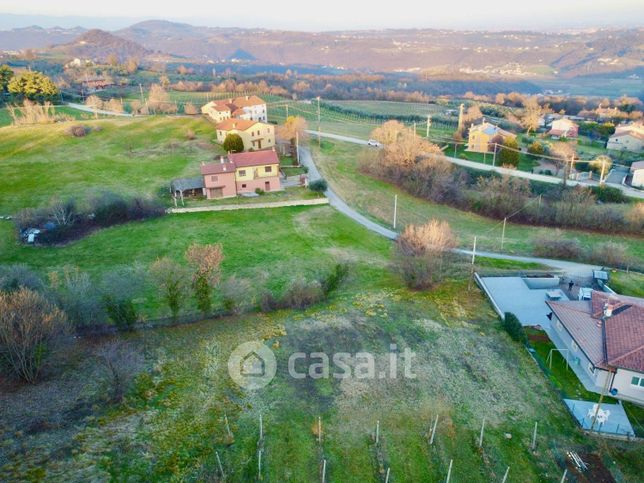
[217, 168]
[620, 342]
[254, 158]
[239, 124]
[247, 101]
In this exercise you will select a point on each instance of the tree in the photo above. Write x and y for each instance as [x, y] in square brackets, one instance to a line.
[565, 153]
[121, 362]
[388, 133]
[509, 155]
[33, 85]
[131, 65]
[95, 103]
[318, 186]
[113, 60]
[536, 148]
[17, 276]
[513, 327]
[171, 280]
[114, 105]
[159, 100]
[119, 288]
[78, 296]
[29, 326]
[206, 261]
[421, 251]
[190, 109]
[6, 74]
[531, 115]
[233, 143]
[601, 165]
[292, 127]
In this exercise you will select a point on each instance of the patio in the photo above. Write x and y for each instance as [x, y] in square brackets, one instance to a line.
[616, 423]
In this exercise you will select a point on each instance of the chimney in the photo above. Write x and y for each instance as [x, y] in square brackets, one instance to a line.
[608, 310]
[246, 97]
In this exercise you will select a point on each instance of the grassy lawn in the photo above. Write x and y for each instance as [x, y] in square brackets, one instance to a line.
[171, 424]
[289, 194]
[126, 155]
[338, 162]
[5, 118]
[631, 283]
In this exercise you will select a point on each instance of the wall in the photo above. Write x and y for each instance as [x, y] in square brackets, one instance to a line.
[626, 390]
[224, 180]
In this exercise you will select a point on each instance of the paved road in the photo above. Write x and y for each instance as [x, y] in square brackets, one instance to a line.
[573, 269]
[614, 181]
[82, 107]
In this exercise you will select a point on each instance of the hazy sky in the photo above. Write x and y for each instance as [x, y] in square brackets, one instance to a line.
[337, 14]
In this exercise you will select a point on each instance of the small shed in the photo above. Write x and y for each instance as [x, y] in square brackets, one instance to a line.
[182, 187]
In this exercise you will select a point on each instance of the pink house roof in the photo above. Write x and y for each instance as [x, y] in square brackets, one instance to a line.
[217, 168]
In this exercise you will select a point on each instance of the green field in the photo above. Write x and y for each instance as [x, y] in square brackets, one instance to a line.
[339, 164]
[126, 155]
[5, 118]
[172, 421]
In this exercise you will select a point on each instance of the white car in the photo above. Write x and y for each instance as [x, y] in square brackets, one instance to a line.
[374, 143]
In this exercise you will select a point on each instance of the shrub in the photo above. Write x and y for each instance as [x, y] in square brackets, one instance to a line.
[301, 294]
[109, 209]
[206, 261]
[121, 312]
[268, 302]
[77, 296]
[333, 280]
[259, 191]
[418, 272]
[608, 194]
[610, 254]
[536, 148]
[237, 295]
[190, 109]
[234, 143]
[120, 362]
[557, 247]
[19, 276]
[190, 135]
[171, 280]
[514, 328]
[29, 326]
[507, 155]
[78, 131]
[119, 288]
[319, 186]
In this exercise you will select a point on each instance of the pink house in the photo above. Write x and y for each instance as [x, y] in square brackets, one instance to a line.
[242, 173]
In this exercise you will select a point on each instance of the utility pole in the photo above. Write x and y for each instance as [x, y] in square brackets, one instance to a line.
[601, 176]
[286, 106]
[503, 232]
[297, 147]
[474, 252]
[395, 209]
[319, 142]
[141, 91]
[494, 155]
[415, 129]
[429, 124]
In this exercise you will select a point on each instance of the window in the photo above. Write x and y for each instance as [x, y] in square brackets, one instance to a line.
[213, 178]
[574, 346]
[242, 172]
[268, 169]
[637, 381]
[243, 186]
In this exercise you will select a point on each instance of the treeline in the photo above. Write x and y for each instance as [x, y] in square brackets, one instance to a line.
[36, 314]
[64, 220]
[421, 169]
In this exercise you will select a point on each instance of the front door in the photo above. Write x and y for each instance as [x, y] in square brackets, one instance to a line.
[267, 185]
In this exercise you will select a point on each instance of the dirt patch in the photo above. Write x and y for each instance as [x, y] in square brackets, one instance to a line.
[596, 472]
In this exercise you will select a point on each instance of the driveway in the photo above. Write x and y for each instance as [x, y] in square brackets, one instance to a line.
[573, 269]
[614, 182]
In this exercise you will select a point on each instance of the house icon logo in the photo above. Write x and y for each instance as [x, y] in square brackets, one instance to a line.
[252, 365]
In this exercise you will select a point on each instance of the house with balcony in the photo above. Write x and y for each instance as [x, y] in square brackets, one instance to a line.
[240, 173]
[255, 135]
[603, 341]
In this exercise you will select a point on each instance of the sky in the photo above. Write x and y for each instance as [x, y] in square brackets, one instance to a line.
[330, 14]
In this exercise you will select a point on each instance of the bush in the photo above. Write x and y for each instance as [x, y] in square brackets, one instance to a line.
[78, 131]
[259, 191]
[190, 135]
[507, 155]
[557, 247]
[608, 194]
[121, 312]
[119, 288]
[29, 326]
[109, 209]
[237, 295]
[333, 280]
[19, 276]
[611, 254]
[234, 143]
[318, 186]
[514, 328]
[301, 294]
[536, 148]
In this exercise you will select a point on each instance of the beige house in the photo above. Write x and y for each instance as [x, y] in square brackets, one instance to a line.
[564, 128]
[248, 108]
[256, 135]
[637, 172]
[629, 137]
[482, 137]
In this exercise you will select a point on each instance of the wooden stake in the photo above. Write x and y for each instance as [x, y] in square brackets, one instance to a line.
[230, 433]
[261, 428]
[431, 440]
[319, 430]
[534, 436]
[221, 468]
[563, 478]
[259, 464]
[387, 477]
[481, 436]
[505, 477]
[324, 471]
[377, 431]
[449, 471]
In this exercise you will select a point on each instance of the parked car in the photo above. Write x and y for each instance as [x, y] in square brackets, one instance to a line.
[374, 143]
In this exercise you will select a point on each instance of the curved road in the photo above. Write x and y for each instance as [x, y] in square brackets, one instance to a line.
[571, 268]
[634, 193]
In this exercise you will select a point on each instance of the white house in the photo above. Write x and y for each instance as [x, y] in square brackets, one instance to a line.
[637, 172]
[603, 341]
[629, 137]
[247, 108]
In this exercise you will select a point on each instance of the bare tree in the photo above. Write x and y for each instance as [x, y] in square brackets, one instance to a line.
[121, 362]
[172, 280]
[190, 109]
[114, 105]
[206, 261]
[388, 133]
[95, 103]
[29, 327]
[63, 212]
[531, 114]
[292, 127]
[565, 153]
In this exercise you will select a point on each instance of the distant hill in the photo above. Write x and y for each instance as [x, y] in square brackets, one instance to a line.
[35, 37]
[98, 45]
[447, 53]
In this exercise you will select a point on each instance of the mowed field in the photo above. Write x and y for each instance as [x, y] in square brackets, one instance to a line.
[172, 424]
[339, 163]
[131, 156]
